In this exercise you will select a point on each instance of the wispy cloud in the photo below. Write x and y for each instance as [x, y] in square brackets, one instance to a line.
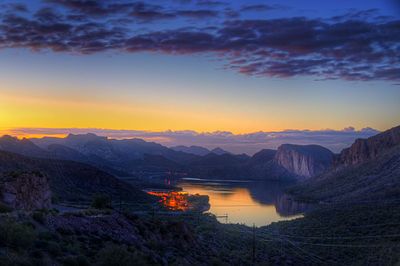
[237, 143]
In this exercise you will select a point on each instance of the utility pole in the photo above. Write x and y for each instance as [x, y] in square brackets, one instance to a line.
[120, 203]
[254, 244]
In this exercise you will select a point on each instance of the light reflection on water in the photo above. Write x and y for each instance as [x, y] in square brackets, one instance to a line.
[259, 203]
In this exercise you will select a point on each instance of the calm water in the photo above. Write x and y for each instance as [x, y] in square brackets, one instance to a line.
[259, 203]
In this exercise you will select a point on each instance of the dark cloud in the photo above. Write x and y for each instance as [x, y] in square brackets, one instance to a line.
[137, 9]
[357, 46]
[16, 7]
[197, 13]
[174, 42]
[90, 7]
[249, 143]
[260, 7]
[211, 3]
[48, 30]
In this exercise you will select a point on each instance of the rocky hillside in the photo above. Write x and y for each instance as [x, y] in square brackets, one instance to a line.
[27, 191]
[71, 181]
[369, 173]
[365, 149]
[304, 161]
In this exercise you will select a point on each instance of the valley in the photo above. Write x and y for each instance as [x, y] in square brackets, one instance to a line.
[309, 208]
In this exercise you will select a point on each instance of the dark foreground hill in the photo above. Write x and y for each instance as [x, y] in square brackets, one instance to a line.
[358, 235]
[70, 180]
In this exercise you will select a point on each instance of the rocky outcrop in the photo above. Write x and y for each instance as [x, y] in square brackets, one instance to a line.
[365, 149]
[304, 161]
[26, 191]
[367, 171]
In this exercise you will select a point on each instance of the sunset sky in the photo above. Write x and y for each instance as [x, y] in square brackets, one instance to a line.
[206, 66]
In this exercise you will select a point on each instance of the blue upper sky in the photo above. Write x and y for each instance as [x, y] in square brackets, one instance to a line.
[240, 66]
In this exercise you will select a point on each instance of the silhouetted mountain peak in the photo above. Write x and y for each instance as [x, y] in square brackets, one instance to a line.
[219, 151]
[196, 150]
[264, 155]
[24, 146]
[84, 137]
[8, 138]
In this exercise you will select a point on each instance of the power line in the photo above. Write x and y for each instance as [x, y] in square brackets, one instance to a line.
[342, 237]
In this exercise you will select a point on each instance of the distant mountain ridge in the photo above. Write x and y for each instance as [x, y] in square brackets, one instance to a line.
[196, 150]
[219, 151]
[138, 157]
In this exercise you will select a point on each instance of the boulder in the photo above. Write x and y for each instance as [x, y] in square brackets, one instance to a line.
[25, 191]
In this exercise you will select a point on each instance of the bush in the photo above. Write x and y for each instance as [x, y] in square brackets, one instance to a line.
[4, 208]
[39, 216]
[75, 261]
[15, 235]
[118, 255]
[101, 202]
[48, 236]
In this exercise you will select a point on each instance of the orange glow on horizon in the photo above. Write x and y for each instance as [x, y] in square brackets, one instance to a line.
[55, 111]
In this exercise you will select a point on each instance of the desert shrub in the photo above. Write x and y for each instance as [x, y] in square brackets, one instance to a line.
[55, 199]
[16, 259]
[15, 235]
[4, 208]
[47, 235]
[118, 255]
[101, 201]
[75, 261]
[94, 212]
[39, 216]
[53, 248]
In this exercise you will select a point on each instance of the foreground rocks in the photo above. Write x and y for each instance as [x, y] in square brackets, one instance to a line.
[114, 227]
[25, 191]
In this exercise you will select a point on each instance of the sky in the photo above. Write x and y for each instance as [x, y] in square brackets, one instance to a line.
[200, 66]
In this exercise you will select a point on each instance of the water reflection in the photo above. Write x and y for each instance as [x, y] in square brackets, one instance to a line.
[260, 203]
[286, 206]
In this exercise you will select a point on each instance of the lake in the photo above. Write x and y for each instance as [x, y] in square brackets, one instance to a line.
[245, 202]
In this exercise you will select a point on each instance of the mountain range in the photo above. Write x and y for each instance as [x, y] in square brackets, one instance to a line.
[198, 150]
[136, 157]
[79, 166]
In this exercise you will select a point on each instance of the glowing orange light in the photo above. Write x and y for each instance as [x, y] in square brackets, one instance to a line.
[174, 200]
